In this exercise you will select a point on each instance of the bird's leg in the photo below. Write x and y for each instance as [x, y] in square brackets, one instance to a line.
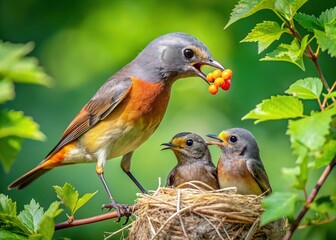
[125, 164]
[113, 204]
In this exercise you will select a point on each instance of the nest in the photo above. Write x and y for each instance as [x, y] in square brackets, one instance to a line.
[200, 213]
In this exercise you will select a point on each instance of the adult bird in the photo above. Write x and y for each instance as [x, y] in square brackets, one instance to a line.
[193, 161]
[127, 109]
[239, 164]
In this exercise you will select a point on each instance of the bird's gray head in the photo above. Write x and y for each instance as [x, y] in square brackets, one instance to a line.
[188, 147]
[237, 141]
[172, 56]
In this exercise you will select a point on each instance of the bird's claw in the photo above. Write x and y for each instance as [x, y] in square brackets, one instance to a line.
[121, 209]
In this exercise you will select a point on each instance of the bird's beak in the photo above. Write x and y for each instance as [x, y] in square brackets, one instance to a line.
[168, 146]
[221, 138]
[197, 66]
[214, 136]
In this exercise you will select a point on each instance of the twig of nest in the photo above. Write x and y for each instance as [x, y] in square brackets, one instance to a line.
[201, 213]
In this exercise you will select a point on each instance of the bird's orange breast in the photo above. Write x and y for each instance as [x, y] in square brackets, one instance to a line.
[132, 121]
[234, 173]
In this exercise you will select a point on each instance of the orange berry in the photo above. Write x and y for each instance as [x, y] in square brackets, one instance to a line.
[209, 77]
[217, 73]
[227, 74]
[219, 82]
[227, 84]
[213, 89]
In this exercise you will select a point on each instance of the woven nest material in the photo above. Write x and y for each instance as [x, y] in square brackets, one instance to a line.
[186, 213]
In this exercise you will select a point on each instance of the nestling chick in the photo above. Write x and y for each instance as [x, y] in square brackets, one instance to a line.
[193, 161]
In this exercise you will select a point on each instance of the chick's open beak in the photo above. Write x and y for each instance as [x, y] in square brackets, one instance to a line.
[211, 62]
[168, 146]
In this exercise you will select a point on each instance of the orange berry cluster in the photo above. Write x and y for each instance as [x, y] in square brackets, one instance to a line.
[220, 80]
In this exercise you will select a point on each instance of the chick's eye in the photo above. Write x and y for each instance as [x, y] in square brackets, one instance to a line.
[233, 139]
[190, 142]
[188, 53]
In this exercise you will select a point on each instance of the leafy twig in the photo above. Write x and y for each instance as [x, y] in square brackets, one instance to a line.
[310, 199]
[312, 55]
[94, 219]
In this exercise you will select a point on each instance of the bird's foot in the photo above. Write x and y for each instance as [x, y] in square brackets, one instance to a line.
[121, 209]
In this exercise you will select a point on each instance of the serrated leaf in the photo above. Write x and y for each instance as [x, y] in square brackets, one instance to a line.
[292, 53]
[86, 197]
[308, 88]
[8, 215]
[302, 177]
[7, 91]
[68, 196]
[10, 146]
[278, 205]
[7, 205]
[46, 228]
[31, 216]
[309, 22]
[324, 205]
[328, 16]
[16, 67]
[53, 210]
[15, 123]
[8, 235]
[327, 153]
[327, 39]
[311, 131]
[288, 8]
[246, 8]
[278, 107]
[265, 34]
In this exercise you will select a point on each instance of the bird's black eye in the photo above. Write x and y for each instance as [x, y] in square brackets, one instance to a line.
[190, 142]
[188, 53]
[233, 139]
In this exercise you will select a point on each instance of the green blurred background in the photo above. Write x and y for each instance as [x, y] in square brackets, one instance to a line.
[80, 43]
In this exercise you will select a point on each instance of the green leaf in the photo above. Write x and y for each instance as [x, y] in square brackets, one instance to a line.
[68, 196]
[288, 8]
[265, 34]
[327, 153]
[16, 67]
[53, 210]
[302, 177]
[46, 228]
[278, 107]
[31, 216]
[278, 205]
[7, 91]
[8, 235]
[14, 123]
[327, 39]
[246, 8]
[309, 22]
[84, 200]
[324, 204]
[10, 146]
[7, 205]
[311, 131]
[292, 53]
[328, 16]
[308, 88]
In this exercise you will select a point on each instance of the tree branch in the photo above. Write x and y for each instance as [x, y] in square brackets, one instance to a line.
[310, 199]
[94, 219]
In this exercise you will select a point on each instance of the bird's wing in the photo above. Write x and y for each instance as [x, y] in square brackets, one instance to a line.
[102, 104]
[171, 178]
[257, 170]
